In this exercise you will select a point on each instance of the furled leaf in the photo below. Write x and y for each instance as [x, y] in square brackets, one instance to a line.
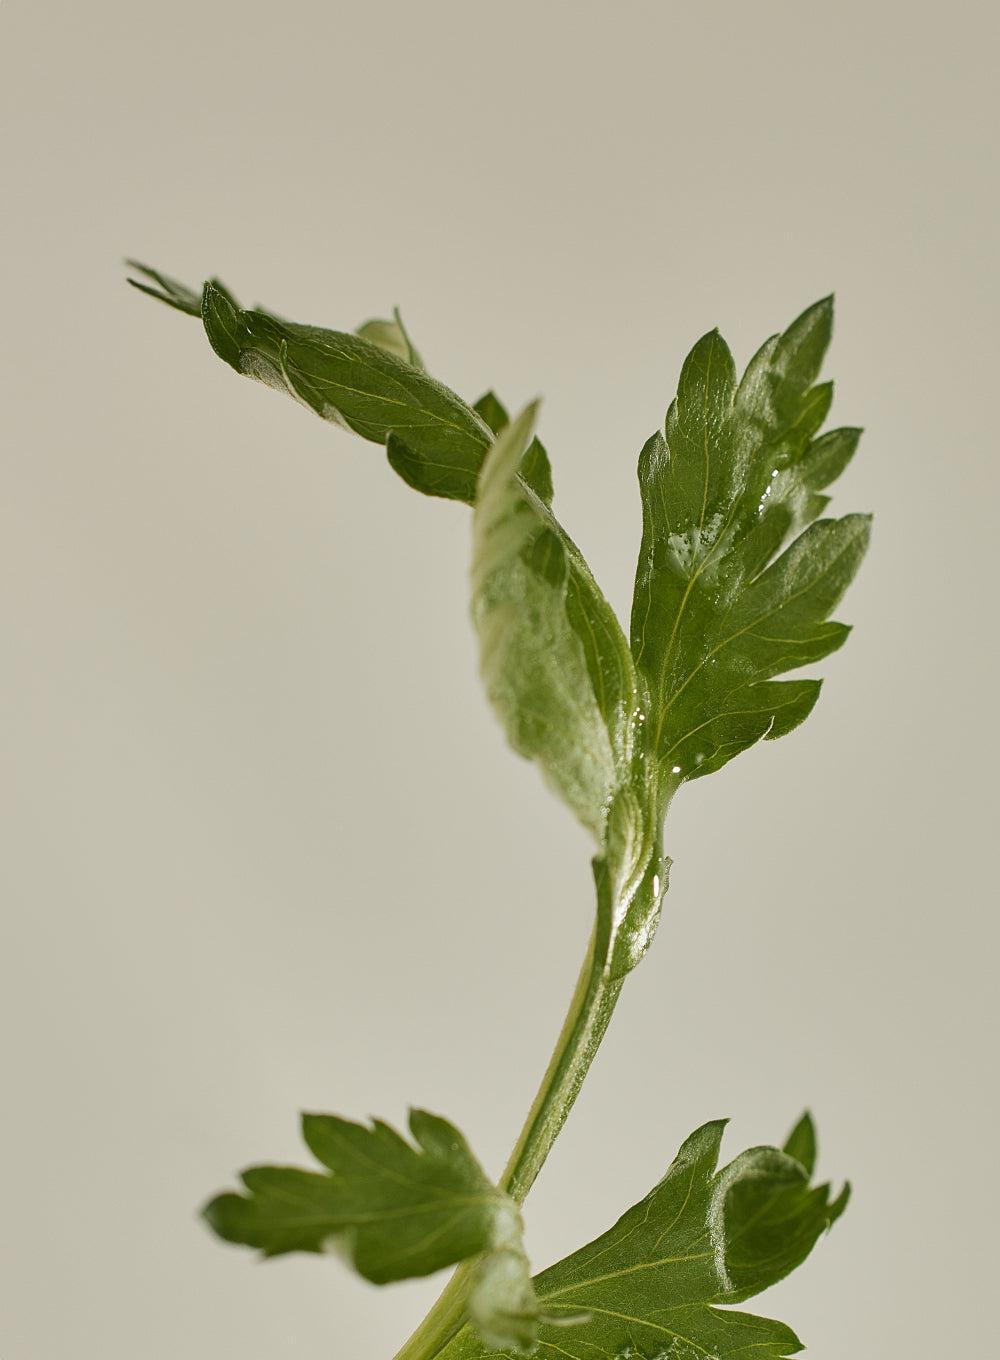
[533, 661]
[719, 609]
[559, 674]
[434, 440]
[502, 1306]
[658, 1282]
[773, 1216]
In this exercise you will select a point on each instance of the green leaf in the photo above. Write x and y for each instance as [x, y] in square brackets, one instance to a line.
[492, 410]
[719, 609]
[397, 1210]
[533, 661]
[373, 382]
[394, 1210]
[392, 336]
[438, 445]
[537, 471]
[165, 289]
[558, 671]
[773, 1219]
[535, 467]
[801, 1144]
[433, 439]
[658, 1282]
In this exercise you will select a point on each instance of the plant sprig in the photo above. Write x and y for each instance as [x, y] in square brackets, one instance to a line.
[739, 572]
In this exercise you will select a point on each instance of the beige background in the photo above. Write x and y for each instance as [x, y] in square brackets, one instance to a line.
[264, 848]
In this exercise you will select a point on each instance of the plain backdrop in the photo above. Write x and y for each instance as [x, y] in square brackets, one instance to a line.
[264, 848]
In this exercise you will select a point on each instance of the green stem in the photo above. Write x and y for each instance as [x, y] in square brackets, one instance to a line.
[586, 1022]
[443, 1321]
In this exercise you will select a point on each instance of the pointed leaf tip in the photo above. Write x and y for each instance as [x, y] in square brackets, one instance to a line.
[164, 288]
[823, 306]
[801, 1143]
